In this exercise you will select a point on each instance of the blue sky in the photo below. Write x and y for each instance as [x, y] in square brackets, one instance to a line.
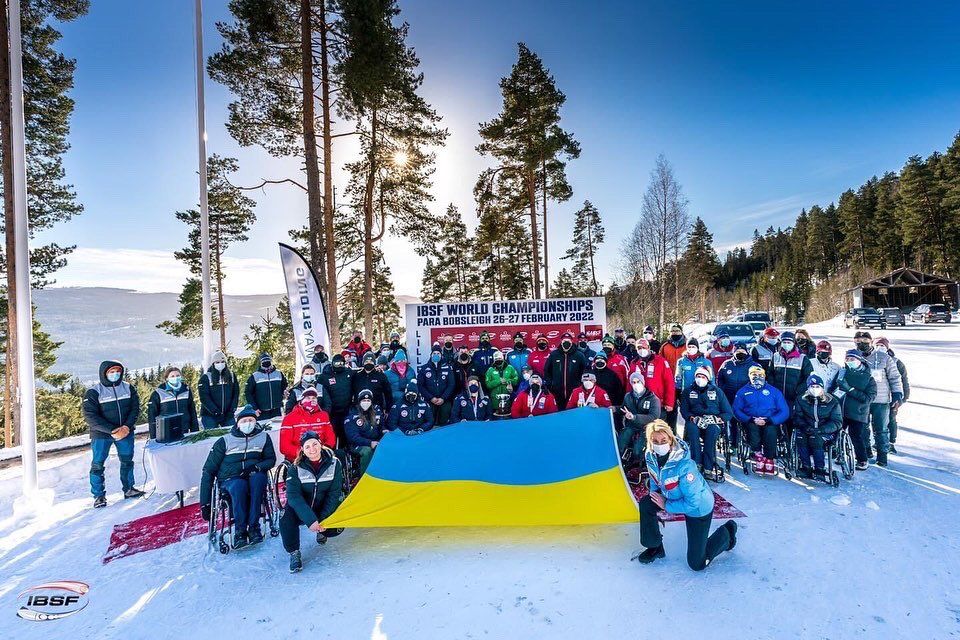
[761, 109]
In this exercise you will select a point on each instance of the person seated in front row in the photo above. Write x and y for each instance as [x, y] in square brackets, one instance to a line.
[705, 409]
[239, 461]
[588, 394]
[305, 416]
[412, 415]
[365, 427]
[535, 401]
[640, 407]
[817, 417]
[761, 408]
[471, 405]
[314, 491]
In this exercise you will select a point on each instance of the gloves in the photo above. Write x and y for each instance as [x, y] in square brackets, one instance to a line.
[897, 399]
[205, 512]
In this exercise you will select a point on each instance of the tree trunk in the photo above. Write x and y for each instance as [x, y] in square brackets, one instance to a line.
[593, 269]
[532, 194]
[311, 161]
[329, 245]
[11, 395]
[368, 230]
[221, 316]
[546, 255]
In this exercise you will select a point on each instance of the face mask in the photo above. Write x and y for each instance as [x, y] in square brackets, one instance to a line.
[542, 346]
[113, 376]
[648, 336]
[368, 367]
[638, 388]
[632, 343]
[661, 449]
[465, 358]
[757, 383]
[863, 347]
[410, 397]
[448, 344]
[527, 375]
[435, 358]
[816, 392]
[701, 381]
[366, 404]
[770, 341]
[601, 364]
[474, 389]
[266, 364]
[882, 349]
[484, 344]
[309, 377]
[644, 353]
[309, 403]
[219, 366]
[394, 343]
[740, 356]
[802, 342]
[566, 344]
[247, 426]
[608, 350]
[692, 350]
[338, 365]
[787, 346]
[534, 389]
[583, 344]
[356, 339]
[174, 382]
[853, 364]
[823, 357]
[676, 336]
[519, 346]
[588, 384]
[725, 342]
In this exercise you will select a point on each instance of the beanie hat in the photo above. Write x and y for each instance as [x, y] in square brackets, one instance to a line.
[218, 356]
[411, 387]
[788, 335]
[692, 342]
[636, 376]
[247, 411]
[855, 353]
[383, 360]
[677, 326]
[365, 394]
[702, 371]
[770, 332]
[588, 376]
[309, 391]
[648, 329]
[883, 341]
[264, 357]
[862, 334]
[607, 340]
[307, 436]
[643, 343]
[338, 358]
[814, 380]
[757, 370]
[600, 356]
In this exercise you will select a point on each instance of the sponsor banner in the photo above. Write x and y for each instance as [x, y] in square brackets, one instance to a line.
[52, 600]
[465, 321]
[307, 313]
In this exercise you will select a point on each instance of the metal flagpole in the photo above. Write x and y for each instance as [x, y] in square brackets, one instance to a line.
[24, 317]
[204, 210]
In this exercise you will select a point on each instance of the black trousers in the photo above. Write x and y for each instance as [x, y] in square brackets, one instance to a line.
[290, 529]
[767, 433]
[670, 417]
[701, 549]
[337, 418]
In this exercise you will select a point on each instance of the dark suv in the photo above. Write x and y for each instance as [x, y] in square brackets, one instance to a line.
[893, 315]
[863, 317]
[931, 313]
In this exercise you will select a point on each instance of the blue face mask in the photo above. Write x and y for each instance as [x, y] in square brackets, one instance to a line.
[309, 377]
[435, 358]
[853, 364]
[174, 382]
[113, 376]
[725, 342]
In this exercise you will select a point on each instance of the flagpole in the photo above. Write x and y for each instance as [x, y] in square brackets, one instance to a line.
[204, 209]
[24, 316]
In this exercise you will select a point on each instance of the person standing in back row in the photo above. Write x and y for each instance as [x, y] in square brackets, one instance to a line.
[563, 370]
[883, 345]
[264, 390]
[219, 394]
[884, 370]
[173, 397]
[110, 409]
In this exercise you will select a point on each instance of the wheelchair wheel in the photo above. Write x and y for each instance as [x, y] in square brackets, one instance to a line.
[834, 479]
[224, 524]
[270, 512]
[743, 451]
[280, 490]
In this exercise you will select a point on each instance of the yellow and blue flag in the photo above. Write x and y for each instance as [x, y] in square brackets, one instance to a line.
[557, 469]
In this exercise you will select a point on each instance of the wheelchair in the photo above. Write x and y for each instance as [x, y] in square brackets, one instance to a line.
[745, 454]
[723, 453]
[838, 453]
[220, 531]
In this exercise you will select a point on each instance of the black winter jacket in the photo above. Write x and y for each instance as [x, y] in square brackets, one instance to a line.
[236, 455]
[219, 393]
[110, 405]
[315, 495]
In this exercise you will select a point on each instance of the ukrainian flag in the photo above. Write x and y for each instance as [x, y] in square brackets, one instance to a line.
[558, 469]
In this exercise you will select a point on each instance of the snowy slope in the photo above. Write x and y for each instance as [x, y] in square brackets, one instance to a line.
[879, 558]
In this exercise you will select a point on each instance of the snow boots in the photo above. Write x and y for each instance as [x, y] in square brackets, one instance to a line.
[732, 530]
[240, 539]
[649, 555]
[763, 465]
[99, 502]
[254, 534]
[133, 492]
[296, 563]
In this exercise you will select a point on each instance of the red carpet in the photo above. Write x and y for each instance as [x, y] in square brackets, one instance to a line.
[722, 509]
[154, 532]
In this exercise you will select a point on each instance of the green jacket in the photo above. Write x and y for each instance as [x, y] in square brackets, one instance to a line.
[498, 379]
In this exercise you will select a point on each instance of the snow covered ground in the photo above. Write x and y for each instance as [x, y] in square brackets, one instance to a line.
[879, 557]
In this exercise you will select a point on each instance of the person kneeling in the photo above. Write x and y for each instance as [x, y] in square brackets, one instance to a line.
[239, 461]
[817, 417]
[676, 486]
[314, 491]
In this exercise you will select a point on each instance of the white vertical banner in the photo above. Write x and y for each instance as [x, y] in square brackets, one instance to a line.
[307, 313]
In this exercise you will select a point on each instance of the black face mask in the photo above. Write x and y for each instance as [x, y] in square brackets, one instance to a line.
[465, 358]
[368, 367]
[566, 344]
[541, 346]
[395, 345]
[823, 357]
[600, 364]
[519, 346]
[802, 342]
[676, 338]
[474, 389]
[740, 356]
[266, 364]
[356, 339]
[410, 397]
[448, 345]
[608, 350]
[583, 344]
[484, 344]
[864, 347]
[534, 389]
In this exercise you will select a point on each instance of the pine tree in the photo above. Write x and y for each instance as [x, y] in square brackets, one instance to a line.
[925, 222]
[530, 147]
[230, 215]
[500, 257]
[699, 265]
[448, 275]
[390, 183]
[386, 317]
[888, 249]
[588, 235]
[564, 286]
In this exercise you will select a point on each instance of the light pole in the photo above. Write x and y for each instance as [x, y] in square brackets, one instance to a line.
[204, 209]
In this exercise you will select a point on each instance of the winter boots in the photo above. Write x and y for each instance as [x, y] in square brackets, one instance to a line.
[861, 466]
[133, 492]
[761, 464]
[240, 539]
[254, 534]
[732, 530]
[296, 563]
[99, 501]
[649, 555]
[893, 449]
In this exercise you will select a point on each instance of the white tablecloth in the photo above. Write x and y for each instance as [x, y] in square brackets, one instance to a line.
[177, 466]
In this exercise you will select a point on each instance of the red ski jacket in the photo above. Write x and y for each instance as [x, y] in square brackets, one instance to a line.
[581, 397]
[523, 407]
[299, 421]
[658, 377]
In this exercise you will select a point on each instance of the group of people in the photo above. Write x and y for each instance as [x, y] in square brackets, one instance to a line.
[344, 405]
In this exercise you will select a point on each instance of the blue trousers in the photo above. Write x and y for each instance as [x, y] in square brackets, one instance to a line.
[811, 444]
[707, 454]
[879, 421]
[101, 451]
[246, 498]
[209, 422]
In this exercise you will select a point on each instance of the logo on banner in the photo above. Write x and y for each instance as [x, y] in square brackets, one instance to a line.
[53, 600]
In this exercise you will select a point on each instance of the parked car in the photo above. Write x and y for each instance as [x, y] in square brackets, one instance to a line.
[863, 317]
[893, 316]
[758, 327]
[931, 313]
[754, 316]
[739, 332]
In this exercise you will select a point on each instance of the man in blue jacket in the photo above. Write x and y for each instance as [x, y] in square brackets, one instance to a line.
[437, 385]
[762, 408]
[110, 409]
[517, 357]
[413, 415]
[483, 356]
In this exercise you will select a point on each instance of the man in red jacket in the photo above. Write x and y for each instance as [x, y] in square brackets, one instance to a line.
[657, 375]
[588, 394]
[535, 401]
[359, 345]
[616, 362]
[538, 357]
[305, 416]
[722, 350]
